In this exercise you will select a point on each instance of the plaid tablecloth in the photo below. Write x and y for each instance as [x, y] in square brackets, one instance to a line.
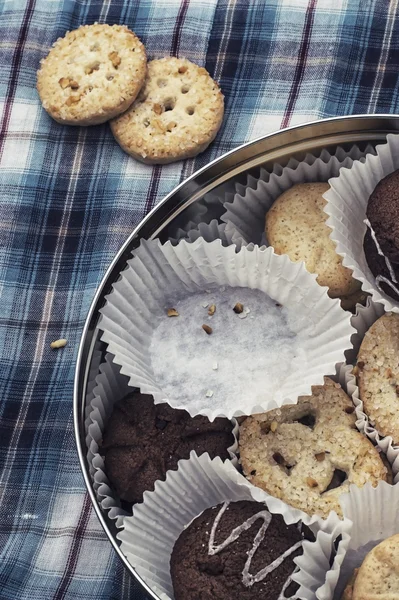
[70, 197]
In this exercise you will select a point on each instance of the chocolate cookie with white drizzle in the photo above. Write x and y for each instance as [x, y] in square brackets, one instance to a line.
[381, 240]
[237, 550]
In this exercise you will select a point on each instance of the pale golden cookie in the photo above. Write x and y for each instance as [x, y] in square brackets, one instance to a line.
[296, 225]
[378, 576]
[309, 453]
[177, 114]
[378, 375]
[92, 74]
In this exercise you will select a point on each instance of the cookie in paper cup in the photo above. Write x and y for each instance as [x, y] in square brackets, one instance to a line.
[245, 212]
[347, 203]
[374, 516]
[246, 331]
[308, 454]
[365, 319]
[148, 537]
[106, 433]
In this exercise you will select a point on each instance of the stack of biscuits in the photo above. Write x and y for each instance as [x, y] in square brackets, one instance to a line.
[162, 111]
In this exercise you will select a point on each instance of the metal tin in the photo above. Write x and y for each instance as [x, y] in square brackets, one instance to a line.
[233, 166]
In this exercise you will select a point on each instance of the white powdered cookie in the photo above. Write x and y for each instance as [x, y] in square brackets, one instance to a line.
[177, 114]
[296, 225]
[378, 375]
[378, 576]
[309, 453]
[92, 74]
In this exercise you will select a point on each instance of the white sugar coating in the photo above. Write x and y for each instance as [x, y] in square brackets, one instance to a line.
[253, 356]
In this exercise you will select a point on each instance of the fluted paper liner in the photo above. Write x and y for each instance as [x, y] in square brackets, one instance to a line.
[245, 213]
[347, 201]
[159, 274]
[203, 211]
[148, 537]
[362, 321]
[208, 231]
[96, 360]
[374, 513]
[110, 387]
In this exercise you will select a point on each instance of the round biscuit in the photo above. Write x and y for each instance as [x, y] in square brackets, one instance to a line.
[378, 575]
[308, 454]
[296, 225]
[92, 74]
[378, 375]
[176, 115]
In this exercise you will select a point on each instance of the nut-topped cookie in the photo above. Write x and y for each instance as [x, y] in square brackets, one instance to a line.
[378, 375]
[237, 550]
[92, 74]
[309, 453]
[177, 114]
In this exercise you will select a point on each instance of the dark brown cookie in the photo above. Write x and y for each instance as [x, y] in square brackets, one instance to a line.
[383, 216]
[204, 567]
[143, 440]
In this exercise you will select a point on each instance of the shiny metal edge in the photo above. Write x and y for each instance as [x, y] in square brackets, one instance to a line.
[264, 151]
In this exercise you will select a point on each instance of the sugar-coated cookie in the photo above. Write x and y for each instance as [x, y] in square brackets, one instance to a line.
[92, 74]
[378, 375]
[309, 453]
[177, 114]
[296, 225]
[378, 575]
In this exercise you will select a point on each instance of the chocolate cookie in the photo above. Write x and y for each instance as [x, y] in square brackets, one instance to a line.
[143, 440]
[381, 241]
[234, 550]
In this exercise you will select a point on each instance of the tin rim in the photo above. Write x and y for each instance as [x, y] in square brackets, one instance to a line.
[277, 146]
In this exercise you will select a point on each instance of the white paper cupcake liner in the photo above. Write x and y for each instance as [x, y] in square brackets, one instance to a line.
[374, 513]
[346, 206]
[208, 231]
[203, 211]
[148, 537]
[96, 360]
[110, 387]
[160, 274]
[245, 214]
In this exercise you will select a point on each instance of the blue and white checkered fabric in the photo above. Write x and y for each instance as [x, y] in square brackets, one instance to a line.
[70, 197]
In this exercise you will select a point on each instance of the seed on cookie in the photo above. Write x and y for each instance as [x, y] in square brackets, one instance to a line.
[176, 115]
[172, 312]
[107, 64]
